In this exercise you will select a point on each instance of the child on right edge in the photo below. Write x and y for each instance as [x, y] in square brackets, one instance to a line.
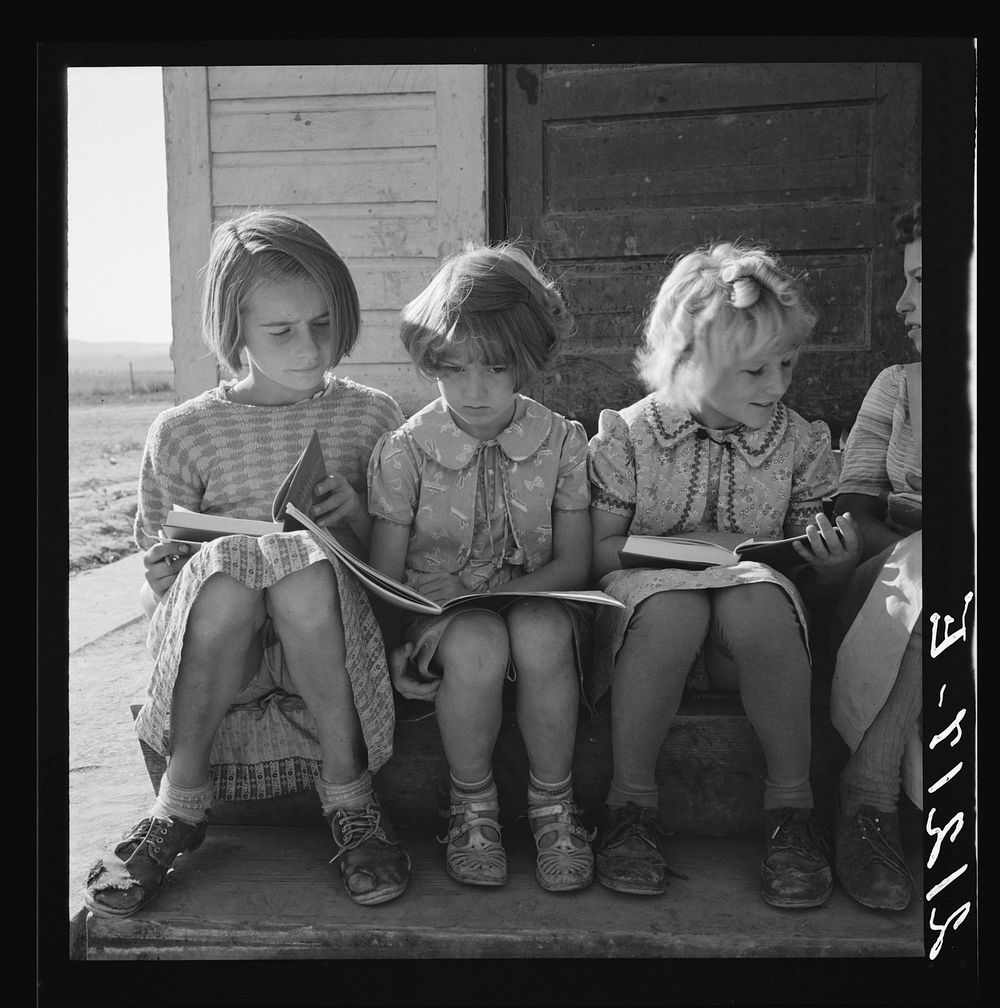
[713, 449]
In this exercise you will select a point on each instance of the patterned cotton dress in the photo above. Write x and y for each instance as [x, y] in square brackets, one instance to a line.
[481, 510]
[213, 455]
[654, 464]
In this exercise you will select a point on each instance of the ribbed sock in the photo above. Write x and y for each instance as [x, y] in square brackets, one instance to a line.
[619, 795]
[355, 794]
[871, 776]
[484, 790]
[797, 794]
[541, 793]
[189, 804]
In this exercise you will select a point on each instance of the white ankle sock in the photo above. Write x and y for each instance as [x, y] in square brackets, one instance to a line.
[354, 794]
[189, 804]
[542, 793]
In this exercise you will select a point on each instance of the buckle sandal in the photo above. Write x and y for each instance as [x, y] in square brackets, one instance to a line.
[629, 855]
[477, 860]
[565, 859]
[374, 866]
[130, 877]
[795, 872]
[868, 859]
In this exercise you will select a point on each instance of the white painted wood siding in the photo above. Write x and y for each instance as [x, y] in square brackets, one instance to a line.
[387, 162]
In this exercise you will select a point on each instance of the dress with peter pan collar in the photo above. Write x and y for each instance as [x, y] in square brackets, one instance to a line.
[481, 510]
[653, 463]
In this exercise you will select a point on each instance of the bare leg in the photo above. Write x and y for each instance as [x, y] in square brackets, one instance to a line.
[306, 613]
[222, 651]
[473, 652]
[305, 609]
[541, 642]
[663, 639]
[548, 700]
[758, 626]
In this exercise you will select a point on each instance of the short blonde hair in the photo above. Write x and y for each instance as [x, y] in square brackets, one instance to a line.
[493, 300]
[265, 244]
[719, 303]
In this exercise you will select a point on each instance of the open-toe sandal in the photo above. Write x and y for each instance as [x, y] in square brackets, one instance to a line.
[129, 878]
[374, 865]
[565, 859]
[471, 856]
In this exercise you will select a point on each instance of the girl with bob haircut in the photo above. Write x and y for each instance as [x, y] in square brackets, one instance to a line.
[269, 672]
[481, 488]
[714, 453]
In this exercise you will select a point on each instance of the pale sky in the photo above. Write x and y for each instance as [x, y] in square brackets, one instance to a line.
[119, 269]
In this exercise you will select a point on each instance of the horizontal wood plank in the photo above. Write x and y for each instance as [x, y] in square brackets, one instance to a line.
[323, 79]
[298, 128]
[734, 159]
[376, 230]
[627, 231]
[278, 179]
[269, 893]
[581, 90]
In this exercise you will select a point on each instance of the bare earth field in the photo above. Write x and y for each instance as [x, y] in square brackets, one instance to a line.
[106, 436]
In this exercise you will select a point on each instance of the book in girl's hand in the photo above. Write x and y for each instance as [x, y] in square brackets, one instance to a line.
[724, 549]
[407, 598]
[182, 525]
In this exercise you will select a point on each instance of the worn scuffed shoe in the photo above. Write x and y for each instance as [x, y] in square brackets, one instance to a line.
[868, 859]
[795, 872]
[629, 853]
[374, 865]
[130, 877]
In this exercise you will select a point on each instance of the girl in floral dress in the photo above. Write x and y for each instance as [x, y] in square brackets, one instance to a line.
[713, 450]
[480, 488]
[269, 671]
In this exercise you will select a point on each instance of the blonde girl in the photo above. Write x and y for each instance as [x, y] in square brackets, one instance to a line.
[481, 488]
[712, 449]
[269, 672]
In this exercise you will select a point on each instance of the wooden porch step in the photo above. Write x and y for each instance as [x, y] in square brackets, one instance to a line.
[269, 893]
[711, 768]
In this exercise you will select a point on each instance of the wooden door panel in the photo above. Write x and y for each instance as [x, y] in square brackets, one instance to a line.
[613, 171]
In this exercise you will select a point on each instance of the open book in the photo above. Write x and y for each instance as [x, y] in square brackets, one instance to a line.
[723, 549]
[182, 525]
[407, 598]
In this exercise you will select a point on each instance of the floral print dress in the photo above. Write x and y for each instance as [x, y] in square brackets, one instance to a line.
[480, 510]
[654, 464]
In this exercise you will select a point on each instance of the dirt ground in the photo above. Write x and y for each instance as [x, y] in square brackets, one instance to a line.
[108, 785]
[106, 435]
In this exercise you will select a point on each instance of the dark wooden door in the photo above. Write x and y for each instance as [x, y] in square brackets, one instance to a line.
[612, 171]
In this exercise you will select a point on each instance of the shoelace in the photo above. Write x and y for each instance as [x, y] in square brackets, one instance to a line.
[638, 821]
[798, 832]
[142, 834]
[883, 848]
[352, 827]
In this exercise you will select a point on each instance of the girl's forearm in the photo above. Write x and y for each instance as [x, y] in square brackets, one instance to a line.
[606, 557]
[561, 574]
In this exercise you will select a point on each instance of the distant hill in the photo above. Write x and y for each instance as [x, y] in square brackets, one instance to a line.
[87, 356]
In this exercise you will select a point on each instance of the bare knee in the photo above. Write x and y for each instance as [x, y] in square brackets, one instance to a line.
[540, 632]
[754, 615]
[305, 601]
[475, 649]
[225, 612]
[667, 613]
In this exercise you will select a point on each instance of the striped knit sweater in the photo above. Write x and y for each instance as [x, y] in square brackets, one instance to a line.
[219, 457]
[881, 448]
